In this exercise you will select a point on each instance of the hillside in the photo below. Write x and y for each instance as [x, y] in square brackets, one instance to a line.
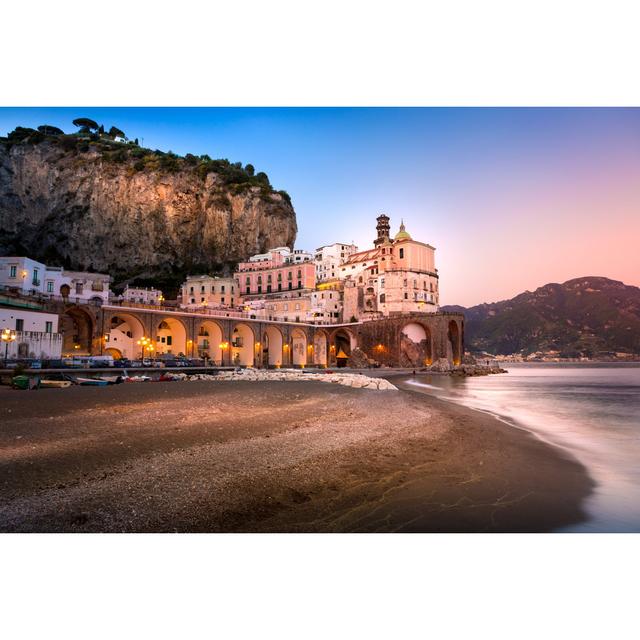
[95, 201]
[584, 316]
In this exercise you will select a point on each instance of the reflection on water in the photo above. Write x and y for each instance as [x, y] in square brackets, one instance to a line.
[593, 411]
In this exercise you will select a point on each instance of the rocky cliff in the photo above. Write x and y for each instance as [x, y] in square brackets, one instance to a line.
[131, 212]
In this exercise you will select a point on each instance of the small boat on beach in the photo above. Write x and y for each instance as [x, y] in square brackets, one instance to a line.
[55, 384]
[111, 379]
[92, 382]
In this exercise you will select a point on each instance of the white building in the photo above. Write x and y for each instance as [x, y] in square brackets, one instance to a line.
[327, 303]
[36, 333]
[329, 258]
[210, 291]
[31, 277]
[142, 295]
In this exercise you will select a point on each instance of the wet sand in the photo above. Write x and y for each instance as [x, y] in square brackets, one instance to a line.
[272, 456]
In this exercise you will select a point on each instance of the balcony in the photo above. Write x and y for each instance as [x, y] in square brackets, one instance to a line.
[35, 282]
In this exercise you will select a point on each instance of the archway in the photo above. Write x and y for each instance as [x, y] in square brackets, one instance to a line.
[65, 290]
[242, 346]
[116, 354]
[76, 325]
[320, 348]
[415, 346]
[343, 343]
[171, 338]
[298, 348]
[271, 347]
[124, 330]
[209, 341]
[454, 340]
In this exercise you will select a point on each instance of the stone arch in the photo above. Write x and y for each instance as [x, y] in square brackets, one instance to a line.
[298, 347]
[416, 345]
[115, 353]
[321, 349]
[343, 342]
[209, 341]
[77, 326]
[455, 343]
[271, 347]
[242, 345]
[123, 330]
[171, 337]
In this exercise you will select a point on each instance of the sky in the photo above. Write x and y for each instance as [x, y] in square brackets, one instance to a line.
[512, 198]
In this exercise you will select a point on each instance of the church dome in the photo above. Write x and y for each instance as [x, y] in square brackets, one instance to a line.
[403, 234]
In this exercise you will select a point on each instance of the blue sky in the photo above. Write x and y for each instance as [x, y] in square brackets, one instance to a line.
[511, 198]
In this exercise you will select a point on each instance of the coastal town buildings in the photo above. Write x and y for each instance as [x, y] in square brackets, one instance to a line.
[142, 295]
[34, 333]
[397, 276]
[329, 258]
[209, 291]
[31, 277]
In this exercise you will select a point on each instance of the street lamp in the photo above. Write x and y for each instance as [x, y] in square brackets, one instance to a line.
[7, 336]
[144, 342]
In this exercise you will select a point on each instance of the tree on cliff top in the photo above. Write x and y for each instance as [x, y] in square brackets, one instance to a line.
[50, 130]
[85, 124]
[114, 132]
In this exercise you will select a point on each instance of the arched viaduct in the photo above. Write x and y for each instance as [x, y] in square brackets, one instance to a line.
[227, 339]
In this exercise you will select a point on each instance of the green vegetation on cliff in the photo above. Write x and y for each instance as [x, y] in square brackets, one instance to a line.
[91, 137]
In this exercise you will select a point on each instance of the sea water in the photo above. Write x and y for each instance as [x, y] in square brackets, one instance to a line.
[590, 410]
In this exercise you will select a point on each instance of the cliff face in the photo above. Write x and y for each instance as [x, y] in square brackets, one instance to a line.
[82, 211]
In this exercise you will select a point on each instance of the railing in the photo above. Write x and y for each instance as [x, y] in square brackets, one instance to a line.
[26, 336]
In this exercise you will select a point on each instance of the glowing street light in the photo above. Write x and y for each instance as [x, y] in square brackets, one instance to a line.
[144, 343]
[7, 336]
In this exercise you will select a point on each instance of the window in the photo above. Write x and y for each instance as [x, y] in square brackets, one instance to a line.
[193, 300]
[19, 324]
[279, 286]
[290, 275]
[169, 341]
[406, 295]
[50, 286]
[299, 284]
[382, 283]
[48, 327]
[190, 289]
[202, 289]
[401, 253]
[78, 288]
[35, 280]
[285, 307]
[222, 289]
[247, 281]
[213, 288]
[222, 300]
[290, 286]
[12, 271]
[268, 288]
[248, 289]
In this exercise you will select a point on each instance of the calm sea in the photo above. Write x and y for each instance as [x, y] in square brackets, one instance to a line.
[593, 411]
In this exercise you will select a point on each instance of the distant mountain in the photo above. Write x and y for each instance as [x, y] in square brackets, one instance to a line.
[584, 316]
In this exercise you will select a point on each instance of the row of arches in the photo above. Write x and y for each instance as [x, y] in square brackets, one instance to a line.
[249, 344]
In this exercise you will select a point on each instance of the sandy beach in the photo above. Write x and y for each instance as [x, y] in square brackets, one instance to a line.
[272, 457]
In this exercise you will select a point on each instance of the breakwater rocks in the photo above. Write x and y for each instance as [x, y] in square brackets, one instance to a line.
[354, 380]
[476, 370]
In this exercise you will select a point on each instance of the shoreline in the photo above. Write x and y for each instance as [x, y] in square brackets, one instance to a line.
[277, 456]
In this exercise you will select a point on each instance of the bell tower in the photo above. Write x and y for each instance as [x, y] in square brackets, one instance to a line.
[383, 229]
